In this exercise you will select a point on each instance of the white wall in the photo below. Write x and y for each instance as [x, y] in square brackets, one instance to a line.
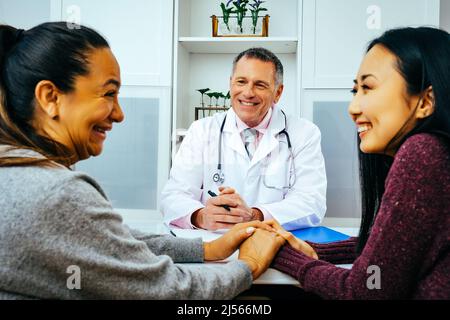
[24, 13]
[445, 15]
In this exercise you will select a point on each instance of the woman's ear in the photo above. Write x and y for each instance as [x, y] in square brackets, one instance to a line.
[47, 97]
[426, 108]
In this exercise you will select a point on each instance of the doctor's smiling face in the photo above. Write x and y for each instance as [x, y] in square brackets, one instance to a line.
[381, 106]
[253, 89]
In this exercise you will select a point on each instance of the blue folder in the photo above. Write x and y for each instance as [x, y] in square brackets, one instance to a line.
[319, 235]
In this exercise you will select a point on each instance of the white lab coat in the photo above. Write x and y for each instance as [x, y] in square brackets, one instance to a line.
[194, 165]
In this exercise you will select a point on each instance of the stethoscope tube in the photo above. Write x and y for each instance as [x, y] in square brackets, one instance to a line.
[219, 176]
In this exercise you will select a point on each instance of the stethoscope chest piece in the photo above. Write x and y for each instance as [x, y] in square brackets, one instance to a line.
[219, 178]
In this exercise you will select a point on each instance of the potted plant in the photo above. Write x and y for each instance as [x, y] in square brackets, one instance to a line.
[236, 11]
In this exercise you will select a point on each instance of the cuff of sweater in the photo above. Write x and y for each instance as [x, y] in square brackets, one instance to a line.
[340, 252]
[290, 261]
[248, 278]
[189, 250]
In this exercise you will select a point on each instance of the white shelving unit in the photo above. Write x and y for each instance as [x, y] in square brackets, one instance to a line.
[203, 61]
[236, 45]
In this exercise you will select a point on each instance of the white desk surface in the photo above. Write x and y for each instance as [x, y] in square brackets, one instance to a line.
[271, 276]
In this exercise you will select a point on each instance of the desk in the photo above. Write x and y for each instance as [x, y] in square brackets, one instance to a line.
[271, 276]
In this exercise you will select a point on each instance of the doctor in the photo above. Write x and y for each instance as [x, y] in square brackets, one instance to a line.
[261, 163]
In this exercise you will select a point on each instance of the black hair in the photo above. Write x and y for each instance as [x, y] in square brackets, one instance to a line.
[54, 51]
[423, 60]
[263, 55]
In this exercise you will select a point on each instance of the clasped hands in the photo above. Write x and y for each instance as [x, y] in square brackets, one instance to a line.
[258, 242]
[214, 216]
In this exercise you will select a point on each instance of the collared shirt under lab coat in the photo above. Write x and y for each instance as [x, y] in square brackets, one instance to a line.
[191, 176]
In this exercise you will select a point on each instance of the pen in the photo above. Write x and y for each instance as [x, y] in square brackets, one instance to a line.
[172, 233]
[212, 194]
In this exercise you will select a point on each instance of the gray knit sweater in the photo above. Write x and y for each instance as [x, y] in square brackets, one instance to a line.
[54, 218]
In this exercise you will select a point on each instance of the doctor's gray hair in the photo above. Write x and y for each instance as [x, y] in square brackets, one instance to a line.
[263, 55]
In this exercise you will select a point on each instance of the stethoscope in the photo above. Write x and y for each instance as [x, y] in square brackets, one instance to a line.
[219, 176]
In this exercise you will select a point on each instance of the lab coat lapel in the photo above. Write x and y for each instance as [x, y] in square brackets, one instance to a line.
[269, 141]
[233, 138]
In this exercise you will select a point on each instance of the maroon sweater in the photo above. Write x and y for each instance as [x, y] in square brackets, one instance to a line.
[409, 241]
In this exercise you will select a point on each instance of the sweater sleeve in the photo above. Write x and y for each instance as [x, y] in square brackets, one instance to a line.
[340, 252]
[412, 214]
[178, 249]
[77, 227]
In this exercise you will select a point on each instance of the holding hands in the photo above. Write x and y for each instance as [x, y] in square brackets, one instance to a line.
[259, 250]
[258, 243]
[224, 246]
[293, 241]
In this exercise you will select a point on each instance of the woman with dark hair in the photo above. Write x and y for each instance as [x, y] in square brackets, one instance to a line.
[401, 108]
[60, 238]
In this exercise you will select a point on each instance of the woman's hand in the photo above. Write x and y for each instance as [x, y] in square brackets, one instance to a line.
[295, 242]
[259, 250]
[224, 246]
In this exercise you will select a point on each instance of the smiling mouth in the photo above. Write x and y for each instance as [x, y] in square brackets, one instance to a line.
[98, 129]
[364, 128]
[101, 131]
[248, 104]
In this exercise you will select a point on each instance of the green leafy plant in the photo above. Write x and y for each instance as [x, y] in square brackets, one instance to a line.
[241, 10]
[218, 95]
[210, 95]
[203, 91]
[226, 12]
[255, 10]
[225, 98]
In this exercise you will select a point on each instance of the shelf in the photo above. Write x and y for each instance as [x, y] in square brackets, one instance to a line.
[236, 45]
